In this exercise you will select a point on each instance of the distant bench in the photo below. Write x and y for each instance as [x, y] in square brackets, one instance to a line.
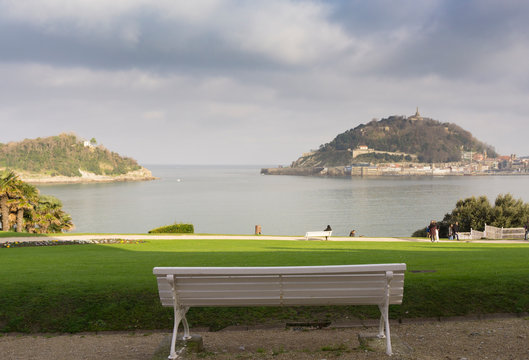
[183, 287]
[325, 234]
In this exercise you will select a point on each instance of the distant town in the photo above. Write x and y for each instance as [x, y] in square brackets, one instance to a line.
[471, 164]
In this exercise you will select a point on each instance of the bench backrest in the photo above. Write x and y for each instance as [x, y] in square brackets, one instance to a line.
[319, 233]
[281, 286]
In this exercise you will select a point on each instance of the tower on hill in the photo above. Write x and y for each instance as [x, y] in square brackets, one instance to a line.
[415, 117]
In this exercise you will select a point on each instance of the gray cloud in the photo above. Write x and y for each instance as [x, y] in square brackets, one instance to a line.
[257, 82]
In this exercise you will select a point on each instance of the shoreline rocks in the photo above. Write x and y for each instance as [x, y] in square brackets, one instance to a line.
[142, 174]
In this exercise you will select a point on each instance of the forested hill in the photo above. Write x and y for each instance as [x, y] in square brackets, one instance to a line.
[65, 155]
[426, 140]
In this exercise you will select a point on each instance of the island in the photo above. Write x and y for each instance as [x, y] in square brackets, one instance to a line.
[67, 158]
[404, 146]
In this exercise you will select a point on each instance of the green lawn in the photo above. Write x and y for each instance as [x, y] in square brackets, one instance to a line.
[72, 288]
[5, 234]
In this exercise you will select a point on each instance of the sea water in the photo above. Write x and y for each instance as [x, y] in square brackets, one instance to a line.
[233, 199]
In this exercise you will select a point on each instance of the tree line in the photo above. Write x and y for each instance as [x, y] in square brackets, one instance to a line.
[24, 209]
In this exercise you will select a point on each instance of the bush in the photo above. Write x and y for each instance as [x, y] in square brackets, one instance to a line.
[420, 233]
[474, 213]
[175, 228]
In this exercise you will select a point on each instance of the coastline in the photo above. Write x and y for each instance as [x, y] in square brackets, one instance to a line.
[374, 171]
[86, 177]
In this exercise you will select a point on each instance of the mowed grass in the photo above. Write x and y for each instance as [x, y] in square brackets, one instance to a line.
[6, 234]
[74, 288]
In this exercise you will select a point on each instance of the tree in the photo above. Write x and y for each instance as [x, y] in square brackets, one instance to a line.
[48, 216]
[29, 210]
[470, 213]
[25, 198]
[509, 212]
[8, 180]
[474, 213]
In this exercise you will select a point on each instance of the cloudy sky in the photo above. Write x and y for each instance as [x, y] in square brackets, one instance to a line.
[258, 82]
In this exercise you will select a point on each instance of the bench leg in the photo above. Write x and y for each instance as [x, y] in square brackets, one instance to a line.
[186, 336]
[383, 331]
[177, 319]
[179, 316]
[384, 315]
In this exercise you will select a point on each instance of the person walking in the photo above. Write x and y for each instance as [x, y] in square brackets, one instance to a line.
[456, 230]
[526, 229]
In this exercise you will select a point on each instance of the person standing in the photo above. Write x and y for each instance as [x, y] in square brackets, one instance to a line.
[526, 229]
[433, 231]
[456, 230]
[451, 232]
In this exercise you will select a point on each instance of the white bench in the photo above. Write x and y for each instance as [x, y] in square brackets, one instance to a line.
[183, 287]
[325, 234]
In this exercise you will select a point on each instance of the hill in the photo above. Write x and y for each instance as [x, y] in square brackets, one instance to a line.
[66, 156]
[397, 138]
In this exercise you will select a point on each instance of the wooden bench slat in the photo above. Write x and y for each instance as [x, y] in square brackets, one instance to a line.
[283, 287]
[286, 302]
[343, 282]
[253, 278]
[275, 301]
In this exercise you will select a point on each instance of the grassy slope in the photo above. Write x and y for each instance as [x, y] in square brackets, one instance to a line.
[111, 287]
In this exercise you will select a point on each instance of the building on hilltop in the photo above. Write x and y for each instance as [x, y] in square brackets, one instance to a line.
[415, 117]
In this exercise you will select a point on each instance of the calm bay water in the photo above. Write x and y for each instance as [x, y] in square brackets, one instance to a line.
[232, 200]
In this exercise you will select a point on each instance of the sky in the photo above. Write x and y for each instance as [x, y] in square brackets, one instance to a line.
[258, 82]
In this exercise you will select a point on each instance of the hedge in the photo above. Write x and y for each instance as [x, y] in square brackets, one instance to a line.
[175, 228]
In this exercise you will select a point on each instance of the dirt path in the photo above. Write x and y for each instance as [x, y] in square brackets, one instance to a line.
[504, 338]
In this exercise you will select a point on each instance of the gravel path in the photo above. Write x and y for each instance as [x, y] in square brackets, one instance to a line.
[504, 338]
[74, 237]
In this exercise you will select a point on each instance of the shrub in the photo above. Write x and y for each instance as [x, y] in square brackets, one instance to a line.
[474, 213]
[420, 233]
[175, 228]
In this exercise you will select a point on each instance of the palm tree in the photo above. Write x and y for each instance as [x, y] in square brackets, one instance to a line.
[8, 180]
[25, 198]
[48, 216]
